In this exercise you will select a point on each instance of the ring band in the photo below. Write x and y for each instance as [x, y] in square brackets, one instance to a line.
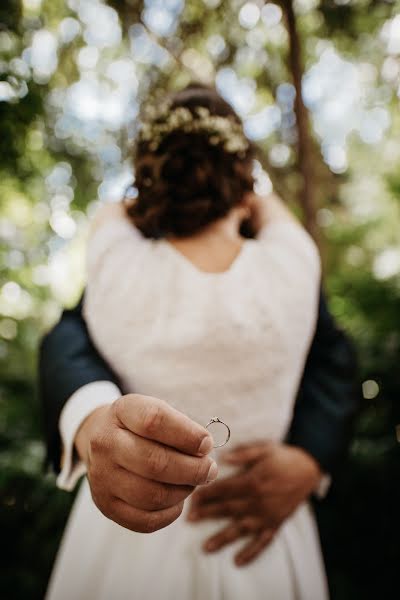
[228, 435]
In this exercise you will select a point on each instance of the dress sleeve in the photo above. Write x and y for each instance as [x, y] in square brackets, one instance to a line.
[114, 241]
[115, 258]
[290, 243]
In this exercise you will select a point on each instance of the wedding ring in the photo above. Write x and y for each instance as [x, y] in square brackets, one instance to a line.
[228, 431]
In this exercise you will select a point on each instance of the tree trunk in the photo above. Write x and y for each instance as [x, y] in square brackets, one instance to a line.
[307, 194]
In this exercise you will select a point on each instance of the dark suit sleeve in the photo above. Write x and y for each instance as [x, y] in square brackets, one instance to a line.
[328, 397]
[67, 361]
[324, 410]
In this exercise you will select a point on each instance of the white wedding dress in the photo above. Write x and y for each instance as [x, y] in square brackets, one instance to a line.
[231, 344]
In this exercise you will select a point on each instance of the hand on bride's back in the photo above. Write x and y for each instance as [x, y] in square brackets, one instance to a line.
[143, 459]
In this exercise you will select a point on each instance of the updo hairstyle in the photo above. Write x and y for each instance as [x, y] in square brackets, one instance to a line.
[188, 182]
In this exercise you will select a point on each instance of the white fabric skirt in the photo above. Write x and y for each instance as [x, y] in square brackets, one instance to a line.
[99, 560]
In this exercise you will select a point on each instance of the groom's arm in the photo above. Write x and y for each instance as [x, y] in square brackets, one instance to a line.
[164, 457]
[328, 397]
[68, 361]
[324, 411]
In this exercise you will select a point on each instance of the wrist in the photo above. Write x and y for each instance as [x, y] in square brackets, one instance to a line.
[319, 480]
[311, 468]
[85, 432]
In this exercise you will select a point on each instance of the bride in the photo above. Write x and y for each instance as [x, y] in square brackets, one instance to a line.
[184, 308]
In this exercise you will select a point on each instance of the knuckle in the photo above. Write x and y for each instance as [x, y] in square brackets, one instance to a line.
[233, 532]
[161, 497]
[151, 523]
[94, 477]
[243, 527]
[248, 524]
[157, 520]
[201, 471]
[95, 445]
[120, 407]
[178, 510]
[101, 478]
[114, 512]
[157, 460]
[101, 500]
[101, 442]
[153, 418]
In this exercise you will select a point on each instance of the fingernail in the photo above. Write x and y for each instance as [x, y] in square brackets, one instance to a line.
[206, 445]
[213, 472]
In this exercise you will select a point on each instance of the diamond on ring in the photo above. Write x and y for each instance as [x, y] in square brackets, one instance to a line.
[228, 431]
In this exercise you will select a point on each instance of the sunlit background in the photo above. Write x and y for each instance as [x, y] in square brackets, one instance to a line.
[73, 76]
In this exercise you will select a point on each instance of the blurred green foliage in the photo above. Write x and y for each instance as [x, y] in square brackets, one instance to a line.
[59, 148]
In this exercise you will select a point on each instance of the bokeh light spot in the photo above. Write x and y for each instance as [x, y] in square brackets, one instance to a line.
[370, 389]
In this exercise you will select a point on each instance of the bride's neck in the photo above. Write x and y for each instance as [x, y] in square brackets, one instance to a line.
[226, 230]
[214, 248]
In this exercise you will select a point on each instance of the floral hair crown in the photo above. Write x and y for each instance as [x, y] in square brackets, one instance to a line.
[226, 131]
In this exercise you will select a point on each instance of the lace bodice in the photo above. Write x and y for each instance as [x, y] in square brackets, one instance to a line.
[230, 344]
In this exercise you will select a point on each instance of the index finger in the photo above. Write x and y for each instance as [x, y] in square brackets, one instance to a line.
[156, 420]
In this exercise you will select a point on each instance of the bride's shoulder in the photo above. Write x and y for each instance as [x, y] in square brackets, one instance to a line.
[288, 244]
[111, 222]
[111, 211]
[113, 239]
[281, 234]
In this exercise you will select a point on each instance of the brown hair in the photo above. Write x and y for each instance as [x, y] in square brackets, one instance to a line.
[188, 183]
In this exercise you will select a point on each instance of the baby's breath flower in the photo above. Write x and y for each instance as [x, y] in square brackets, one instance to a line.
[157, 125]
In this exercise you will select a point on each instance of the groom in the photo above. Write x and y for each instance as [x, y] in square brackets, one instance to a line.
[166, 455]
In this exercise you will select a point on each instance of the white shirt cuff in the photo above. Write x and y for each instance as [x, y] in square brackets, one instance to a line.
[77, 408]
